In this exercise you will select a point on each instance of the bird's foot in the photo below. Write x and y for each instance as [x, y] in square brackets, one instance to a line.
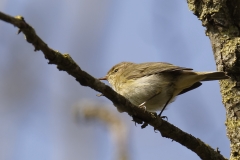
[143, 106]
[163, 117]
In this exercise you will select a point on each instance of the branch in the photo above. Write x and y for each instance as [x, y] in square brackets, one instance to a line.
[66, 63]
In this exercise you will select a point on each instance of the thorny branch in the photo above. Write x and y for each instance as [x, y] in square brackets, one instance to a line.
[65, 63]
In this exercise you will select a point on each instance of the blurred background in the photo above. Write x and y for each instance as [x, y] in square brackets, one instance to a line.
[37, 101]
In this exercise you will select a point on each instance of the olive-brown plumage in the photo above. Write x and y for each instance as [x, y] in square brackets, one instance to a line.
[155, 84]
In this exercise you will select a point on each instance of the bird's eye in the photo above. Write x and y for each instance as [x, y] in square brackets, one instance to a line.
[115, 70]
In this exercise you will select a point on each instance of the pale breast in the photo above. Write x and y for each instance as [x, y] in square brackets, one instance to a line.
[155, 90]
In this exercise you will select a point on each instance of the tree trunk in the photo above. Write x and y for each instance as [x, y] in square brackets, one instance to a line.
[222, 21]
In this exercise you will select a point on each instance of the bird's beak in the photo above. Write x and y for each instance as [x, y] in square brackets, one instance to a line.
[103, 78]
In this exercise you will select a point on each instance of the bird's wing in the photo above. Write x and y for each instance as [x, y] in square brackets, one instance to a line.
[146, 69]
[194, 86]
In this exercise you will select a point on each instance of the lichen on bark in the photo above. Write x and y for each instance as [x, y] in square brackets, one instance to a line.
[222, 22]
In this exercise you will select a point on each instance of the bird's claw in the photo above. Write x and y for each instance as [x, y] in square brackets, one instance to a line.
[143, 106]
[163, 117]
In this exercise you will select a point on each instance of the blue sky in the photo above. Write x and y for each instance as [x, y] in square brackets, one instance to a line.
[36, 100]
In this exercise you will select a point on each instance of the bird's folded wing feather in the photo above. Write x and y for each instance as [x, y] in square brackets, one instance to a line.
[146, 69]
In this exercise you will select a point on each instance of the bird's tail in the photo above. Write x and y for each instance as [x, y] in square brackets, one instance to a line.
[210, 76]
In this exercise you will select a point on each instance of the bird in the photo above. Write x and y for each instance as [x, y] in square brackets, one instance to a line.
[154, 85]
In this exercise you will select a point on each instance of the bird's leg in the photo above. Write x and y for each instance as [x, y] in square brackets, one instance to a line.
[142, 105]
[164, 108]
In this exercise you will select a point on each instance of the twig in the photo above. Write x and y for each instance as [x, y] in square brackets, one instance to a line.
[117, 127]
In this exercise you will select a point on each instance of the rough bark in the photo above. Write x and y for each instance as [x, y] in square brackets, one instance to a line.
[222, 21]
